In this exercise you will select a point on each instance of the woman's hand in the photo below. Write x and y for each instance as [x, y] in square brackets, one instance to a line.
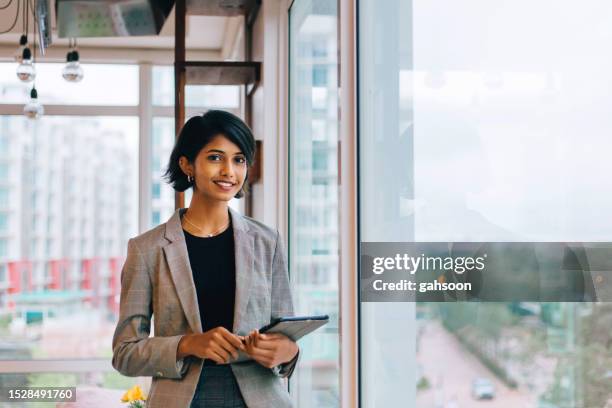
[218, 345]
[271, 349]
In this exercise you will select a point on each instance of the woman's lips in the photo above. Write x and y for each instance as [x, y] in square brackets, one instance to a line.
[225, 185]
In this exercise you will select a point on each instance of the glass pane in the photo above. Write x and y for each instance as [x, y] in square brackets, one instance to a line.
[162, 204]
[218, 96]
[465, 135]
[71, 207]
[102, 84]
[313, 202]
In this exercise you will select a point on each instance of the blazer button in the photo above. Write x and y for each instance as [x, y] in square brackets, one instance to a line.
[160, 374]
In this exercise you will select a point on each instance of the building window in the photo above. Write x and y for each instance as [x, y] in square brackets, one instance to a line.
[156, 190]
[155, 220]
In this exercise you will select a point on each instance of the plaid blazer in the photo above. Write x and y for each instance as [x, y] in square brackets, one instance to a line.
[157, 281]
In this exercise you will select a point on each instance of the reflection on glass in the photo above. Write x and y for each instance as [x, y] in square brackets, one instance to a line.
[104, 84]
[473, 126]
[313, 228]
[71, 207]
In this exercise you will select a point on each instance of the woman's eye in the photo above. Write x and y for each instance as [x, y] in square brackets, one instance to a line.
[214, 157]
[240, 160]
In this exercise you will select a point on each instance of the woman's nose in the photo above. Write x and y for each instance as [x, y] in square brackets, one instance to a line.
[227, 169]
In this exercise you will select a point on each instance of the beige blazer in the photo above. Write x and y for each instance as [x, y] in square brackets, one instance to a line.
[156, 280]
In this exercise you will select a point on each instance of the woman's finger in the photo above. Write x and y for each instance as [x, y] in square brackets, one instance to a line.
[216, 357]
[230, 337]
[266, 344]
[221, 352]
[221, 341]
[261, 353]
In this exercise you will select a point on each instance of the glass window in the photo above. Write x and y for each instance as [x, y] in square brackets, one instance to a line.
[102, 84]
[163, 142]
[313, 196]
[4, 196]
[3, 222]
[156, 219]
[156, 190]
[464, 135]
[4, 173]
[60, 293]
[219, 96]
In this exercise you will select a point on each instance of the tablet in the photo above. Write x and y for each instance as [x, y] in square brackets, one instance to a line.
[295, 327]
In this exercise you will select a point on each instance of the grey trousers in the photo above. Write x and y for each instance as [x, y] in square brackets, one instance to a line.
[217, 388]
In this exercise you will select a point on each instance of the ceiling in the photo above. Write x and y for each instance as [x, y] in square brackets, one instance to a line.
[209, 33]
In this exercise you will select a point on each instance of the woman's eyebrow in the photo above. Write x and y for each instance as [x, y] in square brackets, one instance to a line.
[222, 152]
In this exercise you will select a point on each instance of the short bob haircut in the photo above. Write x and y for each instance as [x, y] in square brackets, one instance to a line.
[197, 133]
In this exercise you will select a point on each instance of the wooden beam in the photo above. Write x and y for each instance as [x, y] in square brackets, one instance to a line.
[179, 79]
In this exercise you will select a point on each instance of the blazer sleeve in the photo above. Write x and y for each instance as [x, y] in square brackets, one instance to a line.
[282, 302]
[136, 354]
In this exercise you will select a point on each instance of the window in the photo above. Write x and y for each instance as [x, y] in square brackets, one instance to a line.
[102, 85]
[196, 96]
[313, 195]
[4, 196]
[78, 206]
[462, 137]
[156, 190]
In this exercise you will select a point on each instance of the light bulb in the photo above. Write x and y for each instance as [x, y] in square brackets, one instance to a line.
[33, 109]
[72, 72]
[26, 71]
[23, 40]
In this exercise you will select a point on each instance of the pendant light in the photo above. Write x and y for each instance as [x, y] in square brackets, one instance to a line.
[26, 72]
[33, 109]
[72, 72]
[23, 41]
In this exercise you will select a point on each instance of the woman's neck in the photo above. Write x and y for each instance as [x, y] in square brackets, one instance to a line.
[208, 216]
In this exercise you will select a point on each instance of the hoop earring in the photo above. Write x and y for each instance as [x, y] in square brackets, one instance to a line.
[190, 179]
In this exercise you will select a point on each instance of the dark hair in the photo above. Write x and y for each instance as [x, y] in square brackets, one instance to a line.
[197, 133]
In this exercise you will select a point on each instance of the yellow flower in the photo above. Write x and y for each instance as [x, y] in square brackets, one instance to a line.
[133, 394]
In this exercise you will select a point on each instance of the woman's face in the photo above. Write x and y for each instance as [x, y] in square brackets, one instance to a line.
[219, 169]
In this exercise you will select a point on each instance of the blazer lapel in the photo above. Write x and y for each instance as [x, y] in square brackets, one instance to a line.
[244, 259]
[180, 269]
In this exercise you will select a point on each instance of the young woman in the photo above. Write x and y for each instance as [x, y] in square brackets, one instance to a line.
[211, 278]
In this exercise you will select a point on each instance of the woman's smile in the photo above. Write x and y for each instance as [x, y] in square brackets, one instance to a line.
[225, 185]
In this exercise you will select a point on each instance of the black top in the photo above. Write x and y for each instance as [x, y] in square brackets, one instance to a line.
[214, 275]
